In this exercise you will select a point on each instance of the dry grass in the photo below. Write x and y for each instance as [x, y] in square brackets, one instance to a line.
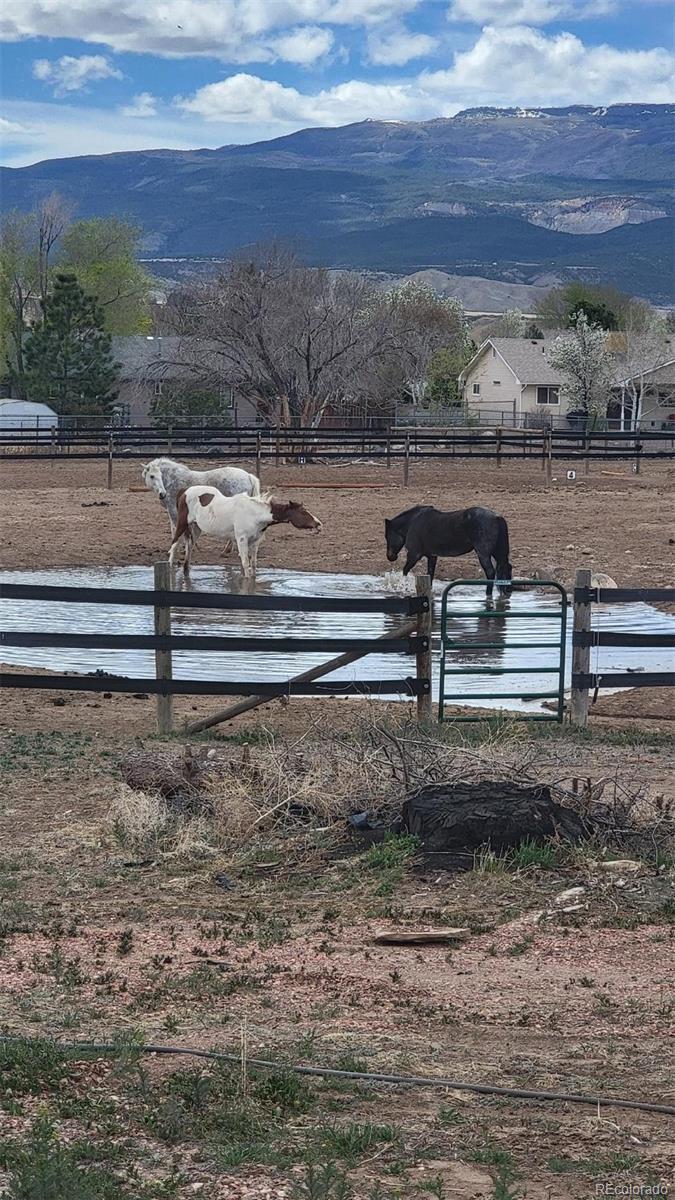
[300, 790]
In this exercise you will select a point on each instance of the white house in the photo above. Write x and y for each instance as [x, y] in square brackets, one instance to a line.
[26, 416]
[509, 381]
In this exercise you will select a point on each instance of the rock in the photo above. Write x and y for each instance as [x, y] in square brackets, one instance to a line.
[570, 547]
[58, 701]
[600, 580]
[586, 550]
[623, 865]
[451, 817]
[569, 894]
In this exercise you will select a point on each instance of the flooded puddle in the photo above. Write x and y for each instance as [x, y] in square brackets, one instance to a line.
[84, 618]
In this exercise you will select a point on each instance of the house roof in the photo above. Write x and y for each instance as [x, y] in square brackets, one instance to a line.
[12, 406]
[525, 356]
[150, 358]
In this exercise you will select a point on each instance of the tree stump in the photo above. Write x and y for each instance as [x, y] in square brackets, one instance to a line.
[452, 817]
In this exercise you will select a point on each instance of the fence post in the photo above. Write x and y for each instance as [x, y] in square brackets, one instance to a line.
[498, 445]
[587, 450]
[163, 666]
[581, 655]
[258, 457]
[638, 452]
[406, 461]
[111, 449]
[425, 621]
[169, 440]
[549, 456]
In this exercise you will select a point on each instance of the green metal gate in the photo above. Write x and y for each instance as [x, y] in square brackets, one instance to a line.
[450, 645]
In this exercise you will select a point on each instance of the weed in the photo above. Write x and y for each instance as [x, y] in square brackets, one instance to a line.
[125, 942]
[492, 1156]
[323, 1182]
[450, 1116]
[348, 1142]
[30, 1066]
[535, 854]
[520, 947]
[503, 1187]
[395, 851]
[608, 1164]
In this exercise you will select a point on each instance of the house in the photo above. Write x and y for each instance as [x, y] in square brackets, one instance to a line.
[509, 381]
[651, 393]
[27, 416]
[149, 365]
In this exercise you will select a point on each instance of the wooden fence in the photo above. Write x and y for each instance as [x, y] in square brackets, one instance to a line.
[259, 445]
[584, 639]
[411, 638]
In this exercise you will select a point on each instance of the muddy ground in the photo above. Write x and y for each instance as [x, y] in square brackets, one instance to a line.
[265, 947]
[60, 514]
[270, 940]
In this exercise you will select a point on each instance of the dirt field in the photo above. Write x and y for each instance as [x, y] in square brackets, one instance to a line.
[247, 923]
[614, 521]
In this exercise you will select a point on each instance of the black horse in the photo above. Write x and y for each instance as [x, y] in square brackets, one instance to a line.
[427, 532]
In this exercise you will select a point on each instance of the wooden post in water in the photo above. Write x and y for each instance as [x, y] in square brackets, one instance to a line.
[163, 664]
[581, 655]
[406, 461]
[111, 451]
[425, 622]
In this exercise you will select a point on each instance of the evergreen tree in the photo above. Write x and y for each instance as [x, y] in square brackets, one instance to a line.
[68, 360]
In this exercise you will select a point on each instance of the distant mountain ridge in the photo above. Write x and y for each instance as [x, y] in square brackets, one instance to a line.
[507, 194]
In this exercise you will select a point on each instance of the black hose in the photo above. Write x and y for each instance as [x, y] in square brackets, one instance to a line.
[485, 1089]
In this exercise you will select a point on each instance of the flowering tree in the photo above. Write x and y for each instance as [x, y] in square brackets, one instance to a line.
[582, 358]
[639, 347]
[423, 323]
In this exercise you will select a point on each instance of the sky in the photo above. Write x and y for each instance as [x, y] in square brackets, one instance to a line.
[96, 76]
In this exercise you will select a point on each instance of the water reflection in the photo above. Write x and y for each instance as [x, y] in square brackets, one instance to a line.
[469, 622]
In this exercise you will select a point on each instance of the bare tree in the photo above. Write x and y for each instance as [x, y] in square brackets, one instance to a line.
[637, 349]
[422, 323]
[291, 338]
[52, 215]
[18, 288]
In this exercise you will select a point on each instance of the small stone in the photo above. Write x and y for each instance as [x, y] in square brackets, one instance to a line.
[570, 547]
[58, 702]
[586, 550]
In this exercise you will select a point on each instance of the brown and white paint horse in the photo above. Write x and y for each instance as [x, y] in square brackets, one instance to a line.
[241, 518]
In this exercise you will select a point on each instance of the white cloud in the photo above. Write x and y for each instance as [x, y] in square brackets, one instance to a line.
[12, 128]
[511, 66]
[521, 66]
[304, 46]
[142, 105]
[527, 12]
[70, 74]
[236, 31]
[396, 47]
[243, 98]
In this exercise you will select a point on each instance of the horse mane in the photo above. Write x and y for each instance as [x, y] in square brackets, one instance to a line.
[410, 512]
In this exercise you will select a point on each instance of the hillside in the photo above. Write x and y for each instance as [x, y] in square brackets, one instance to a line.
[502, 194]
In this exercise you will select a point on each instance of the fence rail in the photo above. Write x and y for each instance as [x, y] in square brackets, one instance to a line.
[413, 638]
[340, 444]
[584, 638]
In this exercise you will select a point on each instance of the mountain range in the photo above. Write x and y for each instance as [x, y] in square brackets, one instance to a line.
[521, 196]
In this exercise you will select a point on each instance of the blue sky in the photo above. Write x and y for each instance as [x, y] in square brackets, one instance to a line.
[94, 76]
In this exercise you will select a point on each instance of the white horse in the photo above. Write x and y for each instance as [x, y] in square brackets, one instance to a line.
[167, 478]
[242, 518]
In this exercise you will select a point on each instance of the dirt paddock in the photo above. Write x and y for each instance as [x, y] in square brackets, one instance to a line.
[253, 930]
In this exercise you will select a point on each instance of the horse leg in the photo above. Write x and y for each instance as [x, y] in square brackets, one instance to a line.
[432, 559]
[488, 569]
[411, 561]
[254, 547]
[242, 547]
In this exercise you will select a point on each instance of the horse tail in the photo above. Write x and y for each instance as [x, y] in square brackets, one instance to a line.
[504, 568]
[255, 487]
[182, 523]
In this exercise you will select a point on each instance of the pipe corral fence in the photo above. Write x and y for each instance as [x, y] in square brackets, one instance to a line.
[301, 446]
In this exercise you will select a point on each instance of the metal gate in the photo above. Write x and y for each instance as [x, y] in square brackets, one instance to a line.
[489, 613]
